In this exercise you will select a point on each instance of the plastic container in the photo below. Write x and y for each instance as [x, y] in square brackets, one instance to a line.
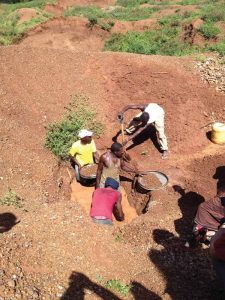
[218, 133]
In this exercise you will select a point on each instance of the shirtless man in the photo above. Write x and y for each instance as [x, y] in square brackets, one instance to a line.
[110, 164]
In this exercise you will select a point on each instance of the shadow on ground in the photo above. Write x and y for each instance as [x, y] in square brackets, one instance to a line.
[188, 204]
[7, 221]
[79, 283]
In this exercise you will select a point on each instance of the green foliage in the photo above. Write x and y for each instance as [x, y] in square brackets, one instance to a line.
[10, 30]
[133, 13]
[218, 47]
[126, 14]
[85, 11]
[133, 3]
[213, 13]
[208, 30]
[118, 286]
[11, 199]
[115, 285]
[61, 136]
[163, 42]
[92, 21]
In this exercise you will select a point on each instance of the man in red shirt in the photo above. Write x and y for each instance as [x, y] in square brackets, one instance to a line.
[105, 201]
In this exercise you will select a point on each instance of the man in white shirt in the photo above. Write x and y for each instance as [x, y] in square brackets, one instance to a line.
[150, 114]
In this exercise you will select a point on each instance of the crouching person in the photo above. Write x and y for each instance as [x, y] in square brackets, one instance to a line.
[83, 152]
[105, 201]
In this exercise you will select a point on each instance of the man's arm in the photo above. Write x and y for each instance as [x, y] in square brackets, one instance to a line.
[127, 168]
[73, 159]
[119, 208]
[133, 106]
[96, 157]
[99, 171]
[135, 134]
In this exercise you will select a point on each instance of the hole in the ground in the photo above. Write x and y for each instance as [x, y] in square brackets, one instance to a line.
[134, 204]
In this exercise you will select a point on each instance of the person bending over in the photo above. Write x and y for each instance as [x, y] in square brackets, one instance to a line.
[152, 113]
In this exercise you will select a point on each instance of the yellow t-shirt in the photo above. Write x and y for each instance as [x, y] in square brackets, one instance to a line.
[83, 153]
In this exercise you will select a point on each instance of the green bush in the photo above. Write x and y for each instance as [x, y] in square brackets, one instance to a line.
[85, 11]
[165, 41]
[213, 13]
[118, 286]
[11, 199]
[60, 136]
[132, 13]
[126, 14]
[208, 30]
[10, 30]
[218, 47]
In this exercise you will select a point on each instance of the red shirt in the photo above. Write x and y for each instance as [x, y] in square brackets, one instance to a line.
[103, 201]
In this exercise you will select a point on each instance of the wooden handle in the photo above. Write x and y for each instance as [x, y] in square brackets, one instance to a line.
[122, 130]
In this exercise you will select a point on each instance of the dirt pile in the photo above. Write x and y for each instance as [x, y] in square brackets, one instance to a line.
[212, 71]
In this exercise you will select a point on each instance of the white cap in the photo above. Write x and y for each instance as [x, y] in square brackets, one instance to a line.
[84, 132]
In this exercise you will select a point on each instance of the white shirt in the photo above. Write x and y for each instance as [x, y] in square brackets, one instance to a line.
[155, 112]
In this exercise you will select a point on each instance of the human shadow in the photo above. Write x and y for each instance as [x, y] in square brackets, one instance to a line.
[7, 221]
[220, 176]
[149, 132]
[189, 275]
[78, 283]
[142, 293]
[188, 204]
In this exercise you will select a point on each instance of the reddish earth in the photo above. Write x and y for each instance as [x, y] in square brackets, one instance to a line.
[55, 251]
[26, 14]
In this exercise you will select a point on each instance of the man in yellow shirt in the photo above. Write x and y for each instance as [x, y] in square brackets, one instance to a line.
[83, 152]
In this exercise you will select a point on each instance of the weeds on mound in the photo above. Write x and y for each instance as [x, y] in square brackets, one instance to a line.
[60, 136]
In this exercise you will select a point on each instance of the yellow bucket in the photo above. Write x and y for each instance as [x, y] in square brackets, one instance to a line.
[218, 133]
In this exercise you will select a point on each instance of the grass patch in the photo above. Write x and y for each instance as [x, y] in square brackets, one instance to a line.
[60, 136]
[11, 199]
[208, 30]
[218, 47]
[125, 14]
[118, 286]
[10, 30]
[115, 285]
[213, 12]
[163, 41]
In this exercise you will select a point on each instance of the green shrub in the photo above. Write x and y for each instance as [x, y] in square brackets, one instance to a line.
[118, 286]
[218, 47]
[126, 14]
[10, 30]
[165, 41]
[92, 21]
[213, 13]
[11, 199]
[208, 30]
[60, 136]
[132, 13]
[85, 11]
